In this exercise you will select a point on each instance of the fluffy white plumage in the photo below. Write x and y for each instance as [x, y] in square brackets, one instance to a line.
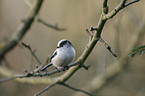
[62, 56]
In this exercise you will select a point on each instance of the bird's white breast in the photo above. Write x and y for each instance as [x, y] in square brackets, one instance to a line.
[64, 57]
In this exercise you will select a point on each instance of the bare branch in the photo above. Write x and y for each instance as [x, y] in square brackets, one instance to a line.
[89, 33]
[105, 3]
[45, 89]
[21, 30]
[86, 67]
[131, 2]
[76, 89]
[116, 67]
[78, 64]
[29, 48]
[33, 74]
[122, 3]
[105, 7]
[80, 60]
[51, 26]
[108, 47]
[10, 78]
[91, 36]
[118, 8]
[138, 38]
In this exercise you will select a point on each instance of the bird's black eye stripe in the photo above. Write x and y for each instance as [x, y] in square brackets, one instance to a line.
[63, 43]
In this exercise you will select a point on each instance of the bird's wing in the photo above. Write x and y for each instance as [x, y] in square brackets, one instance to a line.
[53, 55]
[48, 65]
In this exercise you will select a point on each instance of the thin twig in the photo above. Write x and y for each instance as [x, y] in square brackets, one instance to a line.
[107, 46]
[122, 3]
[84, 55]
[93, 29]
[21, 30]
[45, 89]
[49, 25]
[86, 67]
[33, 74]
[89, 32]
[105, 7]
[131, 2]
[33, 54]
[118, 8]
[42, 21]
[91, 36]
[115, 68]
[76, 89]
[29, 48]
[11, 78]
[105, 3]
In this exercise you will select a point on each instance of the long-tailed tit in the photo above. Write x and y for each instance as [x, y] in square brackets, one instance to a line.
[62, 56]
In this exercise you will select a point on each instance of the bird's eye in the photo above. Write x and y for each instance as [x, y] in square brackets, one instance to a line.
[63, 43]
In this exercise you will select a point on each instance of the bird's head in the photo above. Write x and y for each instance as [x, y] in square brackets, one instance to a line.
[64, 43]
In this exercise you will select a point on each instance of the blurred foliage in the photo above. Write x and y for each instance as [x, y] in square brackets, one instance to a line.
[140, 50]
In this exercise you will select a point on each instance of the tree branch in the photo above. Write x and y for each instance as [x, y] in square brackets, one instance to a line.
[21, 30]
[45, 89]
[24, 78]
[108, 47]
[55, 27]
[79, 62]
[105, 7]
[116, 67]
[79, 90]
[118, 8]
[9, 73]
[29, 48]
[131, 2]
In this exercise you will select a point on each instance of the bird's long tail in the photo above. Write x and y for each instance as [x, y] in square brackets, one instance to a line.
[46, 66]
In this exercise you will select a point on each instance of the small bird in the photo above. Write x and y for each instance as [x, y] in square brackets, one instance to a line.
[62, 56]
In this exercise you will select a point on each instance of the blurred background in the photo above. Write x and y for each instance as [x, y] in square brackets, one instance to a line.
[75, 16]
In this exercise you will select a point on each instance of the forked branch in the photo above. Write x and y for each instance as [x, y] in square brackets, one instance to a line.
[79, 62]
